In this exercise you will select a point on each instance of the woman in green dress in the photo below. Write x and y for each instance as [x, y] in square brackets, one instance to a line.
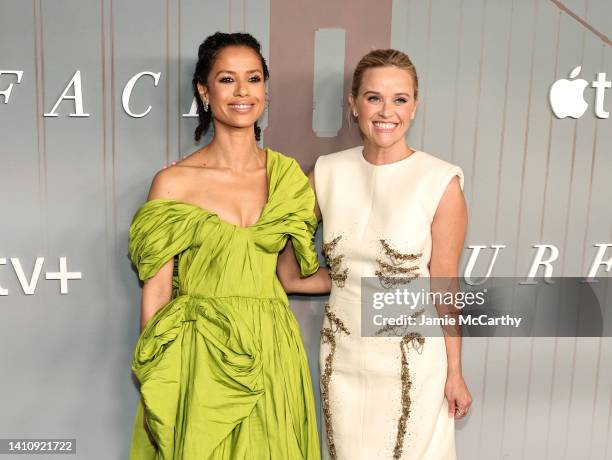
[220, 360]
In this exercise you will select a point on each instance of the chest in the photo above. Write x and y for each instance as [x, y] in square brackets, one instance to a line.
[375, 206]
[237, 198]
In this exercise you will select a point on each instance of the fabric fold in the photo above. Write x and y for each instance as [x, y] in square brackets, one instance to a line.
[290, 213]
[233, 375]
[160, 230]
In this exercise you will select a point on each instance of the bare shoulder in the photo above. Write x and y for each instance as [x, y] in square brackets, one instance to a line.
[168, 183]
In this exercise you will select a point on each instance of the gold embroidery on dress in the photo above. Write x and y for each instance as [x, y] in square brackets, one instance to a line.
[397, 258]
[328, 336]
[334, 261]
[388, 273]
[417, 341]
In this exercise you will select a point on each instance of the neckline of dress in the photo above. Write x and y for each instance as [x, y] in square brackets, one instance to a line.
[223, 221]
[384, 165]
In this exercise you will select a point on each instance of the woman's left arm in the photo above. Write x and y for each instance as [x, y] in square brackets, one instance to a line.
[448, 232]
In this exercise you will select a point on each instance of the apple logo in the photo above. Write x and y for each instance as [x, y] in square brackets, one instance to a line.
[566, 96]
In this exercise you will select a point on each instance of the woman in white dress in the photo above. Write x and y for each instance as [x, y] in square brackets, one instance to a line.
[393, 213]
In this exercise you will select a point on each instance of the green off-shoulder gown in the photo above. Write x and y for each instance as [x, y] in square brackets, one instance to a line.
[222, 367]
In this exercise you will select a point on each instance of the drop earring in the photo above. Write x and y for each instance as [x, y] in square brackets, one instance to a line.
[205, 102]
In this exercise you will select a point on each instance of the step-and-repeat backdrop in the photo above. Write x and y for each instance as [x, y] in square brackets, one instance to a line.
[95, 98]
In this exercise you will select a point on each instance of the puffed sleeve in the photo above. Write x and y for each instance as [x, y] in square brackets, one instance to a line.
[302, 233]
[290, 213]
[159, 230]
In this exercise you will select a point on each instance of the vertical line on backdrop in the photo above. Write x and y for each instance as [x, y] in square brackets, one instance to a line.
[597, 369]
[599, 343]
[543, 218]
[42, 86]
[424, 116]
[478, 97]
[113, 121]
[38, 118]
[503, 125]
[179, 153]
[565, 232]
[583, 268]
[104, 146]
[167, 83]
[497, 206]
[548, 145]
[605, 303]
[590, 194]
[524, 160]
[520, 207]
[608, 427]
[456, 96]
[103, 123]
[531, 345]
[39, 75]
[472, 176]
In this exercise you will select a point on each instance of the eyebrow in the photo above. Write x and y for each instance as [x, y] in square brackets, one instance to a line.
[234, 73]
[396, 94]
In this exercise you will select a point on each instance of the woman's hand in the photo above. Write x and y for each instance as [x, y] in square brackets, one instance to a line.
[458, 396]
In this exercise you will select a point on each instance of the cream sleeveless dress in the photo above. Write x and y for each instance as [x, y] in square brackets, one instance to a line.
[375, 406]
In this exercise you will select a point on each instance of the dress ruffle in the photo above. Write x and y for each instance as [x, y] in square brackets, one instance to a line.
[232, 375]
[290, 212]
[160, 230]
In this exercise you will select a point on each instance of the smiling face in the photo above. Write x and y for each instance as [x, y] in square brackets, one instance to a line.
[385, 105]
[235, 88]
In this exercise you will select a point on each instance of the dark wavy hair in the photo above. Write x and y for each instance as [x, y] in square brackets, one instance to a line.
[207, 53]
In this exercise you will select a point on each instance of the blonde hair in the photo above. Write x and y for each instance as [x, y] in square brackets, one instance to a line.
[384, 58]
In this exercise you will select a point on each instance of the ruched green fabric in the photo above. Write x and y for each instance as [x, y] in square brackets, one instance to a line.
[222, 368]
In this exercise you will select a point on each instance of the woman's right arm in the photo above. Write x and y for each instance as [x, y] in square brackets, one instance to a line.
[157, 290]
